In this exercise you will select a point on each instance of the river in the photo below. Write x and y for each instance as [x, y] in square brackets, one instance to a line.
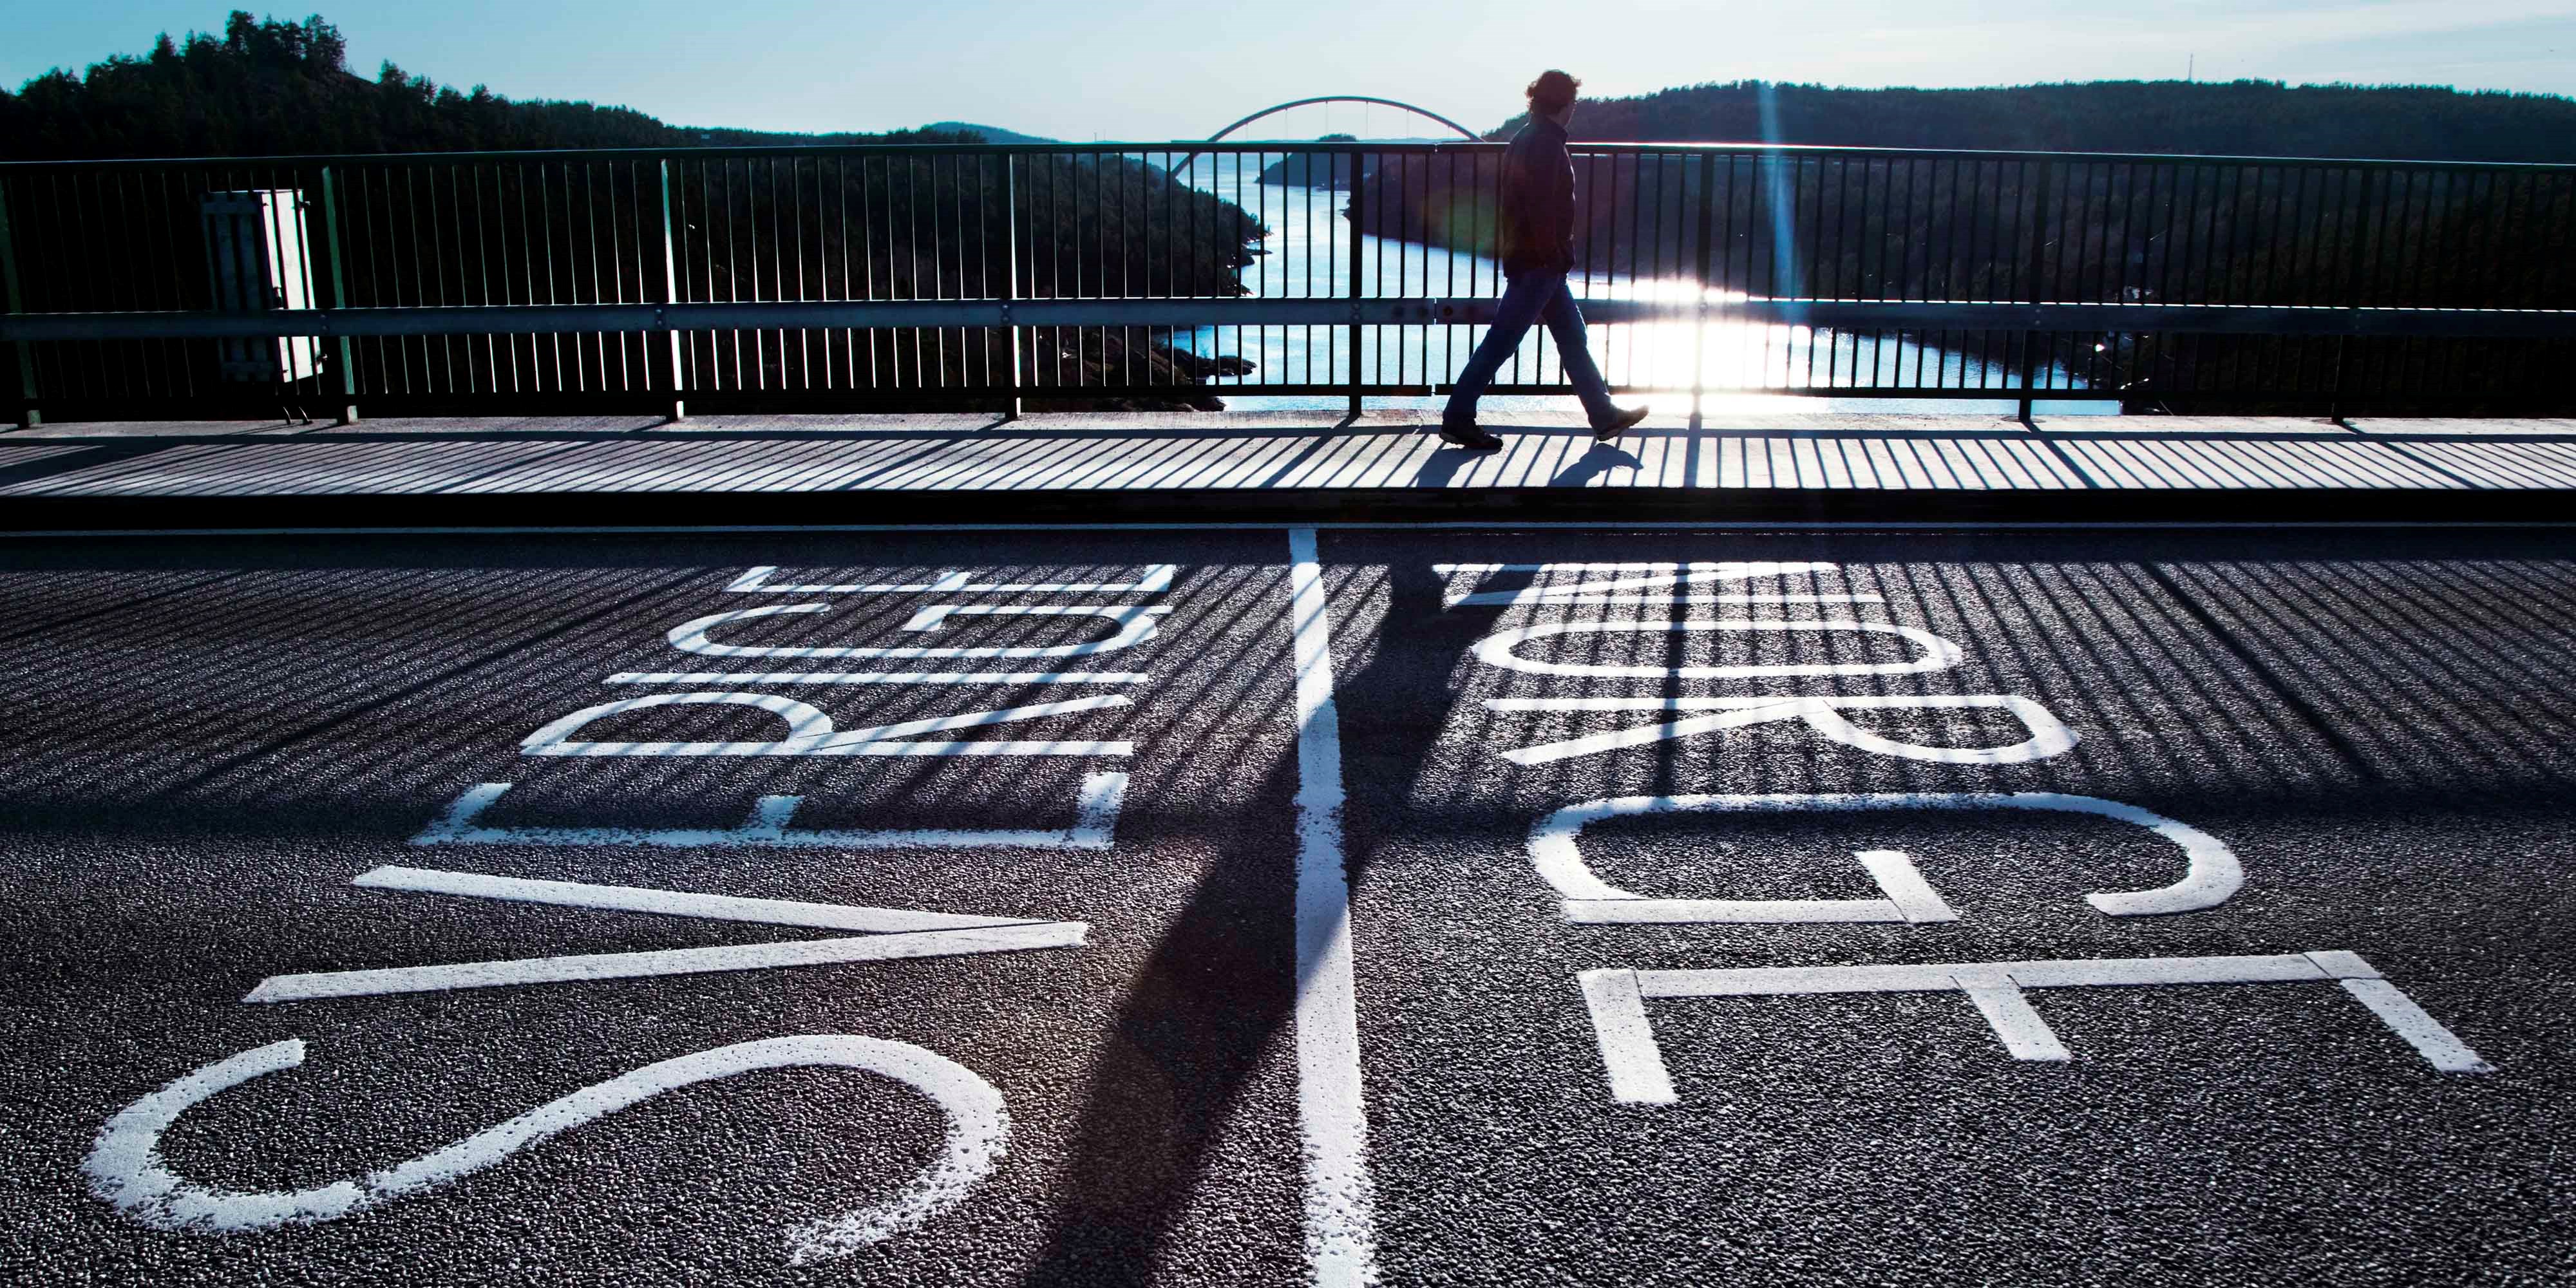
[1306, 256]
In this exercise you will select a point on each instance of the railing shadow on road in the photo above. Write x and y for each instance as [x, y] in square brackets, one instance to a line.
[1263, 452]
[323, 733]
[2262, 646]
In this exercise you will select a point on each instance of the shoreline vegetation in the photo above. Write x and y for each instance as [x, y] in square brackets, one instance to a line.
[274, 88]
[1093, 223]
[2454, 247]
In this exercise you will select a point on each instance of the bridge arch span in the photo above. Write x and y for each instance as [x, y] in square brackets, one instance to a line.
[1468, 134]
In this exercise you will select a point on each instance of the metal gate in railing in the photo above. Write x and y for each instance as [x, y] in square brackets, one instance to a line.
[1164, 274]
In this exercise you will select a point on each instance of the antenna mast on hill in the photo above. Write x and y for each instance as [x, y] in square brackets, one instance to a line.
[2190, 66]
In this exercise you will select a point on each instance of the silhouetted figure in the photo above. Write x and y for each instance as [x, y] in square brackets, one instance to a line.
[1537, 252]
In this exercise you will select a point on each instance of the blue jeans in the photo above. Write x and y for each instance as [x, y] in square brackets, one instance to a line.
[1527, 298]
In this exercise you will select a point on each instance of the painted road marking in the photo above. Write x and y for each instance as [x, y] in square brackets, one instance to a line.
[1136, 624]
[2211, 874]
[1157, 578]
[1938, 654]
[675, 903]
[1910, 900]
[125, 1167]
[1635, 1064]
[890, 933]
[593, 967]
[1095, 824]
[878, 677]
[1341, 1240]
[1670, 576]
[2049, 736]
[811, 733]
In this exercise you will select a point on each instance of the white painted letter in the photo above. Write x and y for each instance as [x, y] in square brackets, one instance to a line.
[1938, 653]
[2210, 877]
[125, 1167]
[2049, 736]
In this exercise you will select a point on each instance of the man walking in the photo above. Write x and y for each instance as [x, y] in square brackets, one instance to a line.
[1537, 252]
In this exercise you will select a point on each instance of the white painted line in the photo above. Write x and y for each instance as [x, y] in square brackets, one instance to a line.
[1670, 576]
[1095, 825]
[1157, 578]
[2343, 965]
[1136, 624]
[2439, 1047]
[878, 677]
[1627, 1039]
[2156, 972]
[2211, 873]
[1790, 981]
[674, 961]
[1310, 525]
[2049, 736]
[1938, 654]
[124, 1166]
[1996, 988]
[1909, 899]
[674, 903]
[932, 617]
[810, 732]
[1757, 912]
[1748, 597]
[2025, 1036]
[1906, 887]
[1341, 1239]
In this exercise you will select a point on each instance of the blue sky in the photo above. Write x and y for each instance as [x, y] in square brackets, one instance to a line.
[1156, 70]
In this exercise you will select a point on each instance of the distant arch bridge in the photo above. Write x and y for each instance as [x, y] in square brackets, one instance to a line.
[1468, 134]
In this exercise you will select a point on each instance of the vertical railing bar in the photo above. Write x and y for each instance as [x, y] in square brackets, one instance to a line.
[1811, 276]
[483, 275]
[1377, 367]
[1356, 213]
[1922, 188]
[501, 174]
[2032, 288]
[339, 296]
[796, 197]
[30, 415]
[1701, 283]
[678, 380]
[1011, 277]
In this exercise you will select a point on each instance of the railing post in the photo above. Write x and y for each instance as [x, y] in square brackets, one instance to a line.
[1699, 313]
[339, 298]
[2038, 249]
[28, 416]
[1357, 196]
[671, 295]
[1011, 278]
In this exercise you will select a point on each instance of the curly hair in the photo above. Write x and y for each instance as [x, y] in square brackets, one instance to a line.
[1552, 92]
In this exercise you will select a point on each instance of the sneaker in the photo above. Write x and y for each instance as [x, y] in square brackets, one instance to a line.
[1468, 434]
[1619, 424]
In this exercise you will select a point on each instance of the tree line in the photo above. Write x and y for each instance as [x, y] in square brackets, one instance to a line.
[534, 230]
[2159, 228]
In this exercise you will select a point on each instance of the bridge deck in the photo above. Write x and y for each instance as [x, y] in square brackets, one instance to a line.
[1843, 467]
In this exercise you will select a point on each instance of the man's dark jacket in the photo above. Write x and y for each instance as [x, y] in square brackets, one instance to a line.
[1538, 200]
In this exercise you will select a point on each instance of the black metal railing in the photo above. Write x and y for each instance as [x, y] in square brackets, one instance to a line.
[1165, 274]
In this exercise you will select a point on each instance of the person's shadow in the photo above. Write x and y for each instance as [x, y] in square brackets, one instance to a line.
[1442, 466]
[1603, 458]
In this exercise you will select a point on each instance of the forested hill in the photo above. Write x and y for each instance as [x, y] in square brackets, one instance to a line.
[267, 88]
[2238, 118]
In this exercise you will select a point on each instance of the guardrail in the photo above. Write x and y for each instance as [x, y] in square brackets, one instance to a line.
[905, 276]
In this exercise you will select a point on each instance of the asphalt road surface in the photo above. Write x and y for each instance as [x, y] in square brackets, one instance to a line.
[1251, 907]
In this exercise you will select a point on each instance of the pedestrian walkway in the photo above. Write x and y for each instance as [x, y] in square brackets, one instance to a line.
[1200, 467]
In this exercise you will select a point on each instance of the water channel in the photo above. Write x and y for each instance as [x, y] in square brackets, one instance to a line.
[1306, 256]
